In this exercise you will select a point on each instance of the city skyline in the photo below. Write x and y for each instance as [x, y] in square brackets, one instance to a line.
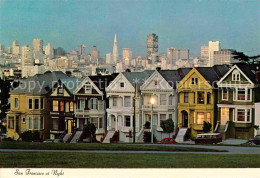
[175, 26]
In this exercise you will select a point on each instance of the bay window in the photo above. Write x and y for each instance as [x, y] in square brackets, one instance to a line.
[62, 106]
[93, 103]
[242, 94]
[200, 117]
[114, 101]
[36, 123]
[71, 106]
[55, 105]
[243, 115]
[30, 123]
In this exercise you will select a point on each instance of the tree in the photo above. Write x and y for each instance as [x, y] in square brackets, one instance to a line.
[4, 96]
[244, 58]
[147, 125]
[168, 126]
[206, 126]
[147, 137]
[89, 130]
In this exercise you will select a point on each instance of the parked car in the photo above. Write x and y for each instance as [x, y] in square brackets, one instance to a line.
[167, 141]
[255, 140]
[208, 138]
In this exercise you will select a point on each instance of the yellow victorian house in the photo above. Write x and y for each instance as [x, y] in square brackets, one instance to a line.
[197, 99]
[29, 107]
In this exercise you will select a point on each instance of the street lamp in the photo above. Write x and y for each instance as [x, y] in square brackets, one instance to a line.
[152, 102]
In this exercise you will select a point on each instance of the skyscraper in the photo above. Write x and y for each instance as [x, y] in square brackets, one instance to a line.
[152, 44]
[204, 54]
[16, 48]
[174, 54]
[27, 56]
[48, 49]
[224, 56]
[115, 51]
[82, 49]
[38, 45]
[127, 55]
[213, 46]
[109, 58]
[94, 53]
[2, 48]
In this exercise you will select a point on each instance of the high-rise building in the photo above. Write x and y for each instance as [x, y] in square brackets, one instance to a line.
[38, 45]
[224, 56]
[94, 53]
[115, 51]
[27, 56]
[109, 58]
[2, 48]
[204, 54]
[127, 56]
[213, 46]
[82, 49]
[152, 44]
[9, 50]
[15, 48]
[174, 55]
[49, 51]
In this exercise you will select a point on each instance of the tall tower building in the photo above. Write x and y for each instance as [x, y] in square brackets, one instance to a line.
[204, 54]
[213, 46]
[152, 44]
[94, 53]
[16, 47]
[48, 49]
[109, 58]
[127, 55]
[115, 51]
[82, 49]
[38, 45]
[174, 54]
[2, 48]
[27, 56]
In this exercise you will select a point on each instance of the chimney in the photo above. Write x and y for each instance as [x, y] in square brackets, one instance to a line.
[158, 68]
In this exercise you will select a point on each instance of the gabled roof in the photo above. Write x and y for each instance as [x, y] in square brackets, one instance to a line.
[138, 77]
[39, 83]
[171, 76]
[71, 83]
[102, 81]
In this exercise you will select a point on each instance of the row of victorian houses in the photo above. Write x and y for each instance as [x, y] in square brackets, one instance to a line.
[59, 106]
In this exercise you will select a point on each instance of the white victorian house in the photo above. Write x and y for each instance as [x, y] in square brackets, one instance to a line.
[121, 93]
[161, 87]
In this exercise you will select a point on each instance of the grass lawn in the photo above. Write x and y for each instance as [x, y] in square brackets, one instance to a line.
[96, 146]
[124, 160]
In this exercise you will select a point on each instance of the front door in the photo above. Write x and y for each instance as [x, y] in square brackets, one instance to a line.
[185, 119]
[224, 116]
[69, 126]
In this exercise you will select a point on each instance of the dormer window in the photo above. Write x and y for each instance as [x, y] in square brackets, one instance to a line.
[235, 75]
[87, 87]
[194, 81]
[122, 84]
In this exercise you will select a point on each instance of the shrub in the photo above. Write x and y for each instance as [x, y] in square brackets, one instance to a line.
[89, 130]
[206, 126]
[168, 126]
[29, 136]
[147, 137]
[147, 125]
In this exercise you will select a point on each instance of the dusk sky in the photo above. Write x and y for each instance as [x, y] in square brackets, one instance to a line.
[180, 24]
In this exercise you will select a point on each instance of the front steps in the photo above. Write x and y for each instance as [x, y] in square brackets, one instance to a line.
[180, 136]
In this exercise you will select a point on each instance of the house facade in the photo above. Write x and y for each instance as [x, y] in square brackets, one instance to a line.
[238, 92]
[198, 98]
[29, 106]
[121, 93]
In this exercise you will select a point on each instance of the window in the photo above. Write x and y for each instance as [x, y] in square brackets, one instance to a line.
[201, 97]
[208, 98]
[62, 106]
[23, 120]
[82, 104]
[10, 122]
[156, 83]
[101, 105]
[36, 123]
[95, 121]
[235, 75]
[241, 115]
[93, 103]
[114, 101]
[127, 121]
[163, 99]
[60, 90]
[200, 117]
[15, 102]
[208, 117]
[36, 103]
[248, 115]
[30, 103]
[170, 116]
[186, 97]
[100, 123]
[224, 94]
[194, 81]
[127, 101]
[42, 103]
[87, 87]
[241, 94]
[30, 123]
[248, 94]
[170, 100]
[122, 84]
[71, 106]
[55, 105]
[67, 106]
[162, 118]
[42, 123]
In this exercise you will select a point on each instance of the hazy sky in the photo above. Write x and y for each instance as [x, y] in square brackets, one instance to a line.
[178, 23]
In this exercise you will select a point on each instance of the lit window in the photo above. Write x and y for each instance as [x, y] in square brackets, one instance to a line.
[200, 117]
[62, 106]
[224, 94]
[55, 105]
[67, 107]
[71, 106]
[208, 117]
